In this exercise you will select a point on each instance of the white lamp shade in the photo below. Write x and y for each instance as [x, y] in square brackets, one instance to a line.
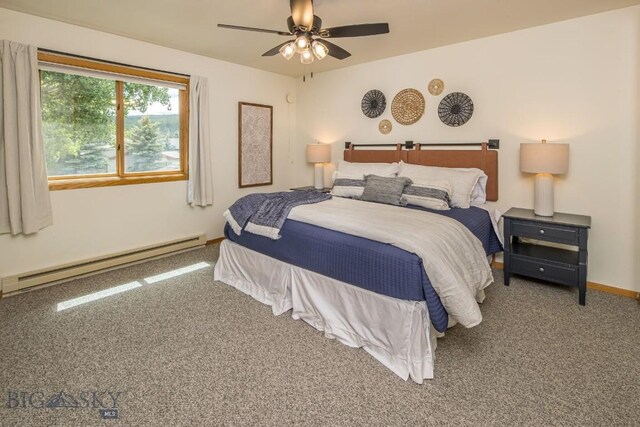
[544, 158]
[318, 153]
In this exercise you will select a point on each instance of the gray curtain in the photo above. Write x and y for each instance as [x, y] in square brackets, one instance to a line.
[200, 192]
[25, 205]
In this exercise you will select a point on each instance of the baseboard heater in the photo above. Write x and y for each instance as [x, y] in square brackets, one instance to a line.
[65, 272]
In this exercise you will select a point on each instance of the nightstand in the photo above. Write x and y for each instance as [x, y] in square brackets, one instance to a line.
[563, 266]
[311, 188]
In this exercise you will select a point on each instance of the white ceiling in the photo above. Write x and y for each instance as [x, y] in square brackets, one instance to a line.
[191, 25]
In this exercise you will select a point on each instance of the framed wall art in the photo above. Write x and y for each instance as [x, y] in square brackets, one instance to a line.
[255, 145]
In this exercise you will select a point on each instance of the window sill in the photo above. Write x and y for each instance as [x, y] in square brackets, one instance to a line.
[75, 183]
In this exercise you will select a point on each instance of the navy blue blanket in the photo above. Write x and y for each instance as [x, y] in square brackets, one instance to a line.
[378, 267]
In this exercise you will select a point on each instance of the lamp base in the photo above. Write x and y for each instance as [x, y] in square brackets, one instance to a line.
[543, 201]
[318, 179]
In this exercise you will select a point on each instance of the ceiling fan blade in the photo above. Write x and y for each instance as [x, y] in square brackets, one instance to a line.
[259, 30]
[358, 30]
[275, 50]
[302, 12]
[336, 51]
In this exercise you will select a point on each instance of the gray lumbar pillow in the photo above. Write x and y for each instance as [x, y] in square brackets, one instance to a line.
[385, 190]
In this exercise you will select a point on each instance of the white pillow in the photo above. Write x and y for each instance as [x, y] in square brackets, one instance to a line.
[428, 194]
[462, 180]
[380, 169]
[348, 185]
[479, 193]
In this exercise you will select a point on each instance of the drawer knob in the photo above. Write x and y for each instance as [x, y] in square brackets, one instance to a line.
[541, 231]
[541, 269]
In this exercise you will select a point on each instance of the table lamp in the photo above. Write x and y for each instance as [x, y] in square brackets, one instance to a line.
[318, 154]
[545, 160]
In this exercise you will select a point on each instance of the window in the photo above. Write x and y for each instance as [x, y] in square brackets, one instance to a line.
[107, 124]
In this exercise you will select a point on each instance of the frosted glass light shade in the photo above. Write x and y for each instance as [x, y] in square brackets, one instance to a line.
[544, 158]
[318, 153]
[306, 57]
[288, 50]
[302, 43]
[319, 49]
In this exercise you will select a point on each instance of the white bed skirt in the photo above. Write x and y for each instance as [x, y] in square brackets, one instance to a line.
[396, 332]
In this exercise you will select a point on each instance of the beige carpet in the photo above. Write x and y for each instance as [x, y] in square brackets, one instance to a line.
[190, 351]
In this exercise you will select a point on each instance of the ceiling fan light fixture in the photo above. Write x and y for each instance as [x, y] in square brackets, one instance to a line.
[288, 50]
[302, 43]
[319, 49]
[304, 26]
[306, 57]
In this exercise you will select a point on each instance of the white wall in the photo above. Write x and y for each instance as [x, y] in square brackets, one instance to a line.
[92, 222]
[574, 81]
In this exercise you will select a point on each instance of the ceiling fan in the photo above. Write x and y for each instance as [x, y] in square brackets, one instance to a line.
[309, 35]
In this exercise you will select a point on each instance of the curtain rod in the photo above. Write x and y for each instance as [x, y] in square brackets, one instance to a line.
[57, 52]
[492, 144]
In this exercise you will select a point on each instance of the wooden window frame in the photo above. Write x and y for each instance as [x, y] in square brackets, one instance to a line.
[120, 177]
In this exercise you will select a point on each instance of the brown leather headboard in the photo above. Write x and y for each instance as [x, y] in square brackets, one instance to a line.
[485, 158]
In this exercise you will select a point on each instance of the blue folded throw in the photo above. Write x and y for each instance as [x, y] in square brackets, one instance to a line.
[264, 213]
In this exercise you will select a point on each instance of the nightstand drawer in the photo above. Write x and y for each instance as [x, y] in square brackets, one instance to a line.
[566, 275]
[555, 233]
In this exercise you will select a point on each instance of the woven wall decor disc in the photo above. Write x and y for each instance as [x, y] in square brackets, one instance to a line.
[455, 109]
[436, 86]
[373, 103]
[385, 127]
[407, 106]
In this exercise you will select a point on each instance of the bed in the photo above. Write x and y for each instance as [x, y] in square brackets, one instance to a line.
[357, 288]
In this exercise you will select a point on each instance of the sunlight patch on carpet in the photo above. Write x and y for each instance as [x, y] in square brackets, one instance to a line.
[128, 286]
[98, 295]
[177, 272]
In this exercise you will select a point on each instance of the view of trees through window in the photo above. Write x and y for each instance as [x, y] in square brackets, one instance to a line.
[79, 124]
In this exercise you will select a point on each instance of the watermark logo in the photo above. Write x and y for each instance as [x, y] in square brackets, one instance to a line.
[109, 414]
[62, 400]
[105, 401]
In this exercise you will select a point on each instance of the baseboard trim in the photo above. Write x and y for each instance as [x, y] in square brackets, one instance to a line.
[613, 290]
[214, 241]
[593, 285]
[209, 242]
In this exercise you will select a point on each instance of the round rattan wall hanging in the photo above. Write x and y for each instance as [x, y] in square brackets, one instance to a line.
[455, 109]
[436, 86]
[373, 103]
[407, 106]
[385, 127]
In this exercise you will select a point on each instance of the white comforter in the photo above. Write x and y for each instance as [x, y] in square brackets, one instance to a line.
[453, 257]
